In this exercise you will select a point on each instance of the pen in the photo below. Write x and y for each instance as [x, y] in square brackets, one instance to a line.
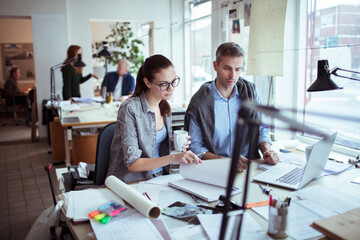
[146, 195]
[195, 198]
[271, 200]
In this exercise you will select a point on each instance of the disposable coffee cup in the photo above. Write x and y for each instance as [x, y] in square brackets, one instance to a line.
[277, 222]
[308, 150]
[180, 139]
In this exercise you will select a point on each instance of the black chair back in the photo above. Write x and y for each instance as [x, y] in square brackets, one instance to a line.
[103, 153]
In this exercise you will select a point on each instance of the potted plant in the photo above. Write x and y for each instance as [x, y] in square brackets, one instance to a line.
[122, 44]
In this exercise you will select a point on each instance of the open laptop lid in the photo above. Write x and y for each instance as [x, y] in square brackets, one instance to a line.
[317, 159]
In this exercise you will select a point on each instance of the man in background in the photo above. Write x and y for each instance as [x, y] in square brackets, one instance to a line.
[120, 83]
[213, 112]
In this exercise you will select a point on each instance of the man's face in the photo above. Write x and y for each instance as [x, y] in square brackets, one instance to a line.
[228, 71]
[121, 69]
[17, 74]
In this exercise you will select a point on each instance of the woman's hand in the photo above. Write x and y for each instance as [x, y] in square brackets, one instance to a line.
[188, 157]
[94, 76]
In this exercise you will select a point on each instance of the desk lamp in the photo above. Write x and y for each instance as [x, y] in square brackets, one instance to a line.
[103, 52]
[323, 81]
[78, 63]
[245, 112]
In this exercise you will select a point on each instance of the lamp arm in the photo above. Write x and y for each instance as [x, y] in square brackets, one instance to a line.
[334, 72]
[246, 107]
[52, 77]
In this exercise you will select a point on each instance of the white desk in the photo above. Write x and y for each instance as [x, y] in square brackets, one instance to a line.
[341, 182]
[88, 115]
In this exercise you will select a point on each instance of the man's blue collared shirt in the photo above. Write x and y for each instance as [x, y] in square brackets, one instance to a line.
[226, 115]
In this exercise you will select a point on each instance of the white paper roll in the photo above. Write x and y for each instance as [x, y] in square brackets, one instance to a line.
[138, 201]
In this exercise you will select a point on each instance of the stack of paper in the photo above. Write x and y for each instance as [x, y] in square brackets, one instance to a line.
[207, 180]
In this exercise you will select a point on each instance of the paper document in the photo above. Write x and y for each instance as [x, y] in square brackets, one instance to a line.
[132, 227]
[356, 180]
[329, 198]
[207, 180]
[81, 203]
[250, 228]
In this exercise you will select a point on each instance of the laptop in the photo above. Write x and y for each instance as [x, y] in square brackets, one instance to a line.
[295, 177]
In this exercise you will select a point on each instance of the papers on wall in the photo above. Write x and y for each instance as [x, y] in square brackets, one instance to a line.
[250, 228]
[266, 40]
[207, 180]
[134, 226]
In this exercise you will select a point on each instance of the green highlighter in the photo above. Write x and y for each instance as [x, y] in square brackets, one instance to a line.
[105, 219]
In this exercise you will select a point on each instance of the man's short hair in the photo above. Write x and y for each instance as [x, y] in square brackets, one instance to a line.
[229, 49]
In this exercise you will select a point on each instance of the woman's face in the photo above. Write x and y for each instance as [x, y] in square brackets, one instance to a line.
[163, 77]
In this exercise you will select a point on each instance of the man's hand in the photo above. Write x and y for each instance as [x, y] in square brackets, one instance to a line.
[242, 164]
[270, 157]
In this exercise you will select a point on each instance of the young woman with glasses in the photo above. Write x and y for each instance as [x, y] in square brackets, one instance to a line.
[142, 139]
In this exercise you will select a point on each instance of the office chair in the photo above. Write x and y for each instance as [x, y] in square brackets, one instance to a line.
[103, 146]
[12, 104]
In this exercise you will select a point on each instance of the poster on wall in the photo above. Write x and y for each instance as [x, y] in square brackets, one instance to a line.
[235, 22]
[18, 55]
[266, 39]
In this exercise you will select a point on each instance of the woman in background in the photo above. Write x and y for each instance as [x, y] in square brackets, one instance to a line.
[142, 138]
[72, 76]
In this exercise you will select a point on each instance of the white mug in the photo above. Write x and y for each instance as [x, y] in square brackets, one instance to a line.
[180, 139]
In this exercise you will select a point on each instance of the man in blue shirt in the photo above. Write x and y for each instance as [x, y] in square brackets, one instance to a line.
[213, 112]
[120, 83]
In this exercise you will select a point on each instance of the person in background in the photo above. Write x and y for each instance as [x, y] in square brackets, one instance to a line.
[213, 112]
[142, 139]
[11, 87]
[119, 82]
[72, 76]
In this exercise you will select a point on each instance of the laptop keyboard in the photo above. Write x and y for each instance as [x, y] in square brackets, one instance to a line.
[293, 177]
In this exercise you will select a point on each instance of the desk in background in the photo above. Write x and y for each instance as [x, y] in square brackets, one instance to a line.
[85, 116]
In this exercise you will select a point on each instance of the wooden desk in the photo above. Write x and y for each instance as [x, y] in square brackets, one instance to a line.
[88, 115]
[341, 182]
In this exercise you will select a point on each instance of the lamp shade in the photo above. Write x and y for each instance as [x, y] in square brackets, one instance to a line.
[103, 52]
[79, 62]
[323, 81]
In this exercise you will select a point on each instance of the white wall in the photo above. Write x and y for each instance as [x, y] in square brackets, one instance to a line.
[57, 24]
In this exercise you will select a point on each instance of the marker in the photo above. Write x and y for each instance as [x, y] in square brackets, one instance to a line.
[271, 200]
[146, 195]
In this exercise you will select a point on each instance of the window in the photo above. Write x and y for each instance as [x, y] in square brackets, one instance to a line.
[198, 62]
[333, 34]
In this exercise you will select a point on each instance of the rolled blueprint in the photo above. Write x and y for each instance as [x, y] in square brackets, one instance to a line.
[135, 199]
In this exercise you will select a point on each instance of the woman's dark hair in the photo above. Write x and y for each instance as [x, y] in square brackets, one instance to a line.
[13, 70]
[152, 65]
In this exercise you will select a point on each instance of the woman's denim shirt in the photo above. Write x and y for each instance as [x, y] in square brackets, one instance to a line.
[134, 138]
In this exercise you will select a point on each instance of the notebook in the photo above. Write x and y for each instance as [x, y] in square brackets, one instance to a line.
[207, 180]
[294, 176]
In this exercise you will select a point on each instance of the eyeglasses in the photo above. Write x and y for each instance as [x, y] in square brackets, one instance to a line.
[165, 86]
